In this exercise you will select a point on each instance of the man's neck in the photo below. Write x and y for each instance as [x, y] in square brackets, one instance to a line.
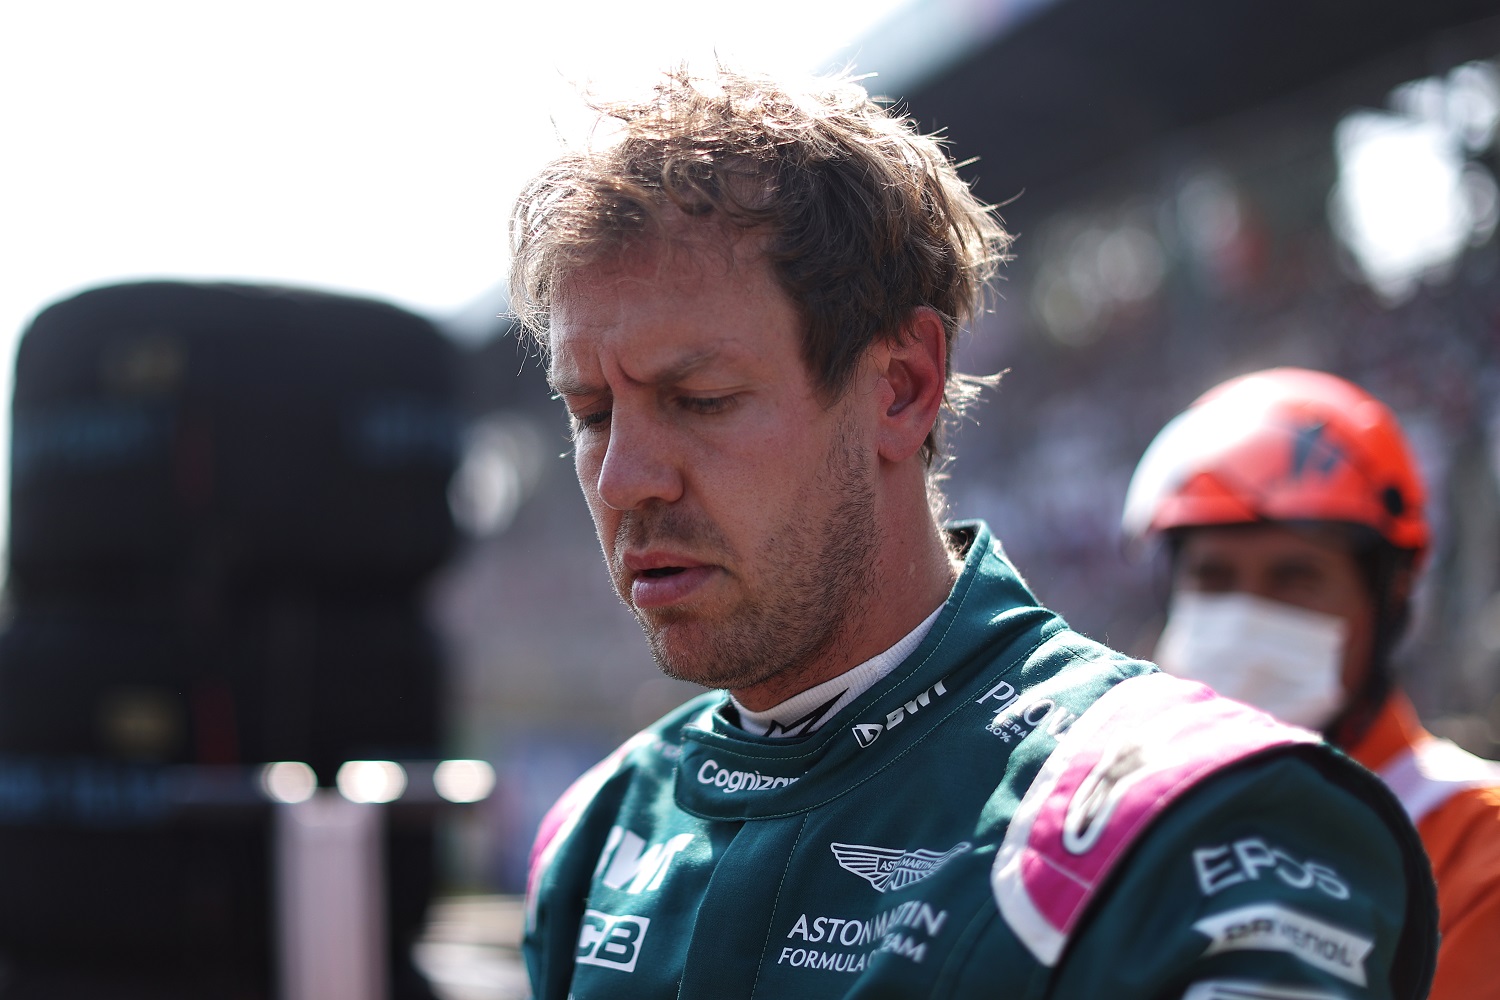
[907, 582]
[805, 712]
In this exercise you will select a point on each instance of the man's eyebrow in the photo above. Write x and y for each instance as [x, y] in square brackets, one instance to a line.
[684, 367]
[568, 384]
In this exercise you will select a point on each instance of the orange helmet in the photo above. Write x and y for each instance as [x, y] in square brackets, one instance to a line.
[1286, 444]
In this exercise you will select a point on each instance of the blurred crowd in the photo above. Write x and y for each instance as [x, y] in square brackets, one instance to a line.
[1046, 460]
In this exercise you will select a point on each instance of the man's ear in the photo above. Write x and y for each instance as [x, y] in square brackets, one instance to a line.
[911, 372]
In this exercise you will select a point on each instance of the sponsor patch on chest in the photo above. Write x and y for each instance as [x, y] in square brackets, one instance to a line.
[1018, 714]
[628, 862]
[888, 868]
[611, 941]
[843, 944]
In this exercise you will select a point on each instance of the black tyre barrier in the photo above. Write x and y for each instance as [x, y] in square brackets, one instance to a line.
[291, 676]
[223, 501]
[231, 432]
[106, 862]
[127, 881]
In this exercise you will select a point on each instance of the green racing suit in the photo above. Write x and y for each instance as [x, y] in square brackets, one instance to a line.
[1015, 811]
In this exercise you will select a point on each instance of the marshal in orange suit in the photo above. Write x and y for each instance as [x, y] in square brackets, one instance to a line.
[1294, 518]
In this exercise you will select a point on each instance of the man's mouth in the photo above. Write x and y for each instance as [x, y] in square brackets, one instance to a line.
[666, 586]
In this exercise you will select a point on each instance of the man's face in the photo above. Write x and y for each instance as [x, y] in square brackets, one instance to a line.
[1309, 569]
[733, 503]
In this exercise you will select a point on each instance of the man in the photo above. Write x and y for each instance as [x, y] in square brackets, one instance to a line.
[749, 299]
[1295, 520]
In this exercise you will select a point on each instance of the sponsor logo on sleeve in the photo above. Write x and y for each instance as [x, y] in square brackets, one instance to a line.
[613, 942]
[628, 862]
[869, 732]
[1124, 764]
[1245, 989]
[1016, 717]
[888, 868]
[1272, 927]
[730, 782]
[1100, 792]
[1246, 860]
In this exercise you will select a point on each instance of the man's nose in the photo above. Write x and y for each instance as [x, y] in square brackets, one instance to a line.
[640, 464]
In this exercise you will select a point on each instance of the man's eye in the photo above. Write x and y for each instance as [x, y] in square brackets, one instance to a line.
[593, 420]
[706, 404]
[1211, 579]
[1294, 578]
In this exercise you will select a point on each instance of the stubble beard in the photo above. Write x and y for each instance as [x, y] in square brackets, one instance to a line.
[819, 576]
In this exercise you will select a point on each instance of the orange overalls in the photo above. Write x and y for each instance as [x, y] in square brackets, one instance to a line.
[1453, 797]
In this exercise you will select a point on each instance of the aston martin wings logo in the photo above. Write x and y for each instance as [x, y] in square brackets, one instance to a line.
[887, 868]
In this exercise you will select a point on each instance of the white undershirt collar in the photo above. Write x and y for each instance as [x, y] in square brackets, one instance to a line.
[806, 711]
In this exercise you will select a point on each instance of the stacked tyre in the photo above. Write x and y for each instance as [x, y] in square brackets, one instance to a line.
[224, 502]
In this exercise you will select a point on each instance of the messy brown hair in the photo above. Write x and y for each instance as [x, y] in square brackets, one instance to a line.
[862, 217]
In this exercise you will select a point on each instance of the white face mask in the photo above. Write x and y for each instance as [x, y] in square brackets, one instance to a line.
[1280, 658]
